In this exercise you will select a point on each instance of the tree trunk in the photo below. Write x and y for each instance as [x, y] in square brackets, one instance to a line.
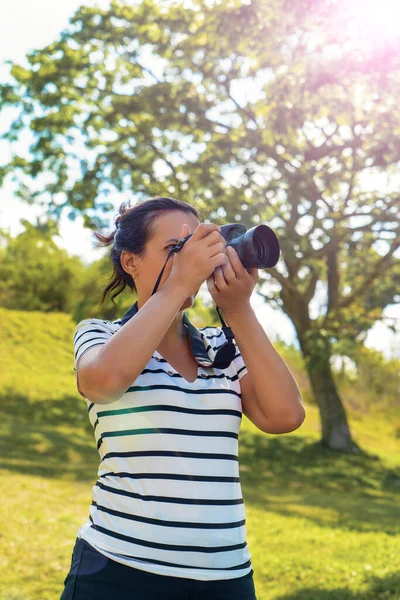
[335, 428]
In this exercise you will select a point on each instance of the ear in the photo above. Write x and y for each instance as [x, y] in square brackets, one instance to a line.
[129, 262]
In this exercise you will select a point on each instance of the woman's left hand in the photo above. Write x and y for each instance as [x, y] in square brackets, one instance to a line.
[233, 285]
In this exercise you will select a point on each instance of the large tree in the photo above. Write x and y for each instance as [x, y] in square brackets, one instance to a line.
[321, 111]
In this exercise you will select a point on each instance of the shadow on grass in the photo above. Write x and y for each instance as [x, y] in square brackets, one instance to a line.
[379, 589]
[48, 438]
[289, 475]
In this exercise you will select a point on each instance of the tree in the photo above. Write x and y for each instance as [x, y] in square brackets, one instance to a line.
[325, 113]
[35, 274]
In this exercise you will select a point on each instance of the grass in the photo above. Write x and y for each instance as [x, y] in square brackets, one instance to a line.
[320, 525]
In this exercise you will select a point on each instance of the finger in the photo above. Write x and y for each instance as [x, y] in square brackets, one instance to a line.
[211, 285]
[227, 273]
[203, 229]
[233, 255]
[234, 259]
[185, 231]
[254, 273]
[229, 269]
[219, 277]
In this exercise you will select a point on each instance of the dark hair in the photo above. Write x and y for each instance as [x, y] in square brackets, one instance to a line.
[134, 226]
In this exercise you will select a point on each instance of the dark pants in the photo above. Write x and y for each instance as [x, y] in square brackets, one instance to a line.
[93, 576]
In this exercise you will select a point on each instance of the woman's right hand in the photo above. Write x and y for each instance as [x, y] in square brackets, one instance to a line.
[200, 255]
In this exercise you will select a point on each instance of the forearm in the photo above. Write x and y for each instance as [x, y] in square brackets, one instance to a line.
[128, 351]
[276, 390]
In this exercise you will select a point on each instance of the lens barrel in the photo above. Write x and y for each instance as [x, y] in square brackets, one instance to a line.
[257, 248]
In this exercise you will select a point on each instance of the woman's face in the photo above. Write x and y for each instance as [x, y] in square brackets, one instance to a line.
[146, 270]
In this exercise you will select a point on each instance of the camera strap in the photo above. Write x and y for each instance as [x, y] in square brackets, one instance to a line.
[225, 353]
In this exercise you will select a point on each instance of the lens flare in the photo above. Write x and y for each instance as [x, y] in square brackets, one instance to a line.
[376, 20]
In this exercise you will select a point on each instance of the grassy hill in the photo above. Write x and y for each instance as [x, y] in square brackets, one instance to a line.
[320, 525]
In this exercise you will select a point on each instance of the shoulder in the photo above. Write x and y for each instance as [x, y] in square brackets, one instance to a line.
[97, 324]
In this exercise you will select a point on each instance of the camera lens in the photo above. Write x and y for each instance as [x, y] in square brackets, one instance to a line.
[260, 247]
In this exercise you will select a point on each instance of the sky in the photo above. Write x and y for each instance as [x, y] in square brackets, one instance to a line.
[25, 25]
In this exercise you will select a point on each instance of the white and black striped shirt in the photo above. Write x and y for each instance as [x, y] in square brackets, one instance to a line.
[168, 498]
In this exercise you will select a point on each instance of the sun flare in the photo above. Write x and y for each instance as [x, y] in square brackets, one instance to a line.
[376, 20]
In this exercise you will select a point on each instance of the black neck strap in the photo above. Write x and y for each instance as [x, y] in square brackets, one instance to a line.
[225, 353]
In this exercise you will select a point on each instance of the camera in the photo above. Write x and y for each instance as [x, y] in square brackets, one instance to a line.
[257, 248]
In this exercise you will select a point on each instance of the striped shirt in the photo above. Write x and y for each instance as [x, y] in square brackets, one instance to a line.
[168, 498]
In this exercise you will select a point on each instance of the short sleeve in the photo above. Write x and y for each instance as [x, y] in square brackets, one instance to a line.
[89, 333]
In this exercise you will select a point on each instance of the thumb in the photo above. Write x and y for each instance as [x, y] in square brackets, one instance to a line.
[185, 230]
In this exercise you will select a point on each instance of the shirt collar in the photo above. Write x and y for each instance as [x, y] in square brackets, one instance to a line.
[199, 346]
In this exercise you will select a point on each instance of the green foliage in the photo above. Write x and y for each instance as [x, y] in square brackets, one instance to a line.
[378, 380]
[203, 314]
[317, 347]
[35, 274]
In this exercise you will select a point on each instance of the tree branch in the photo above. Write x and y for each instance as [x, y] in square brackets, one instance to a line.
[381, 266]
[310, 291]
[285, 282]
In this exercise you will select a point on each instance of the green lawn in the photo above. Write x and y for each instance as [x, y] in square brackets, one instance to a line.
[320, 525]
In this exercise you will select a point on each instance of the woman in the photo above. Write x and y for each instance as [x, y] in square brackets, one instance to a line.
[167, 518]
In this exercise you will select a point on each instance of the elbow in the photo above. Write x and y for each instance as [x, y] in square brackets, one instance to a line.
[109, 391]
[297, 415]
[98, 388]
[287, 424]
[296, 420]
